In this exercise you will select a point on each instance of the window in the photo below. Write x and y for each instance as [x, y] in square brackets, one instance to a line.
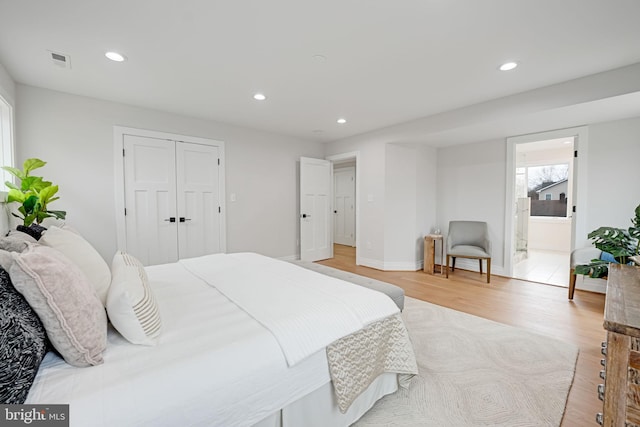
[547, 185]
[6, 140]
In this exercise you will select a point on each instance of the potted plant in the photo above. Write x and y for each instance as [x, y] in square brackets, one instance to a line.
[622, 245]
[34, 194]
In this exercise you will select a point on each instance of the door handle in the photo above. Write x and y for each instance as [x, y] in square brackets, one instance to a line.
[306, 216]
[171, 219]
[183, 219]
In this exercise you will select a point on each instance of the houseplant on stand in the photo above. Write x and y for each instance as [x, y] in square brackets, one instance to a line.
[622, 246]
[33, 194]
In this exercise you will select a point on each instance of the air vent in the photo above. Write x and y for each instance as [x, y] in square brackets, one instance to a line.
[60, 59]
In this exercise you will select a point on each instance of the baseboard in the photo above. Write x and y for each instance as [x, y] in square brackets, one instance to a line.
[289, 258]
[372, 263]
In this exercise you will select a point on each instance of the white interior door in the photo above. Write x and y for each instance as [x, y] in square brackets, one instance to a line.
[150, 188]
[198, 199]
[315, 208]
[344, 214]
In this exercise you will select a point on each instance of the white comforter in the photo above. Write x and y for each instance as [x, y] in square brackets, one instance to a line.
[305, 311]
[214, 366]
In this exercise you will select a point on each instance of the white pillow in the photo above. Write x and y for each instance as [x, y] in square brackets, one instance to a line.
[131, 306]
[79, 251]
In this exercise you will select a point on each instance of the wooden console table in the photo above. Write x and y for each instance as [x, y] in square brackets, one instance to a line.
[621, 388]
[430, 253]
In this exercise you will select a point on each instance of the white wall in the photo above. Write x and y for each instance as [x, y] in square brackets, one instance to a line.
[75, 136]
[471, 182]
[426, 198]
[471, 186]
[614, 173]
[550, 234]
[400, 208]
[397, 201]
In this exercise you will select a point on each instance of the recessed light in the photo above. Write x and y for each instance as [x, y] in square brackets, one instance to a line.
[259, 97]
[507, 66]
[115, 56]
[341, 121]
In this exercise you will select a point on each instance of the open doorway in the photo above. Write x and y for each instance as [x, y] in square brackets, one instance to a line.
[543, 217]
[345, 206]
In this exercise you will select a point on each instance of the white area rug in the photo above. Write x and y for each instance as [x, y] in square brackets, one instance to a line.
[475, 372]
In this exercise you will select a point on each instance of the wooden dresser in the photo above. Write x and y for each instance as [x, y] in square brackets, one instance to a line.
[621, 388]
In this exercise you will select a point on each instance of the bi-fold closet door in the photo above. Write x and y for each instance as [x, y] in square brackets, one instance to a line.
[172, 199]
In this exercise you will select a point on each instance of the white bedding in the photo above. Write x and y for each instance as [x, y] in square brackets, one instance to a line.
[214, 366]
[304, 310]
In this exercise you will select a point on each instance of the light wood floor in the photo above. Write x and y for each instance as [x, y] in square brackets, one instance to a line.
[536, 307]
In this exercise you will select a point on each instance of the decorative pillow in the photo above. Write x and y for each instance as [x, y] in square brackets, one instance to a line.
[78, 250]
[23, 343]
[34, 230]
[16, 241]
[58, 291]
[131, 305]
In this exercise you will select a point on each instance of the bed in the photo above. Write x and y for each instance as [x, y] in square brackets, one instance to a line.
[246, 340]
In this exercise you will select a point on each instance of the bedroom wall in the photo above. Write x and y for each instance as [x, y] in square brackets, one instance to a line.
[472, 182]
[400, 208]
[397, 200]
[614, 173]
[471, 186]
[409, 204]
[75, 135]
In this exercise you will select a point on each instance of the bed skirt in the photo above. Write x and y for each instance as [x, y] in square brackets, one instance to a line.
[320, 409]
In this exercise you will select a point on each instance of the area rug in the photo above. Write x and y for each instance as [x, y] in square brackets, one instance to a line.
[475, 372]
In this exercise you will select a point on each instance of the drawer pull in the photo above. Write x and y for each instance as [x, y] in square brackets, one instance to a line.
[603, 350]
[603, 344]
[603, 375]
[601, 392]
[600, 418]
[603, 362]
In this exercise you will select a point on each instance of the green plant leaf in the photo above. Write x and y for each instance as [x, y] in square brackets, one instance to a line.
[15, 195]
[28, 219]
[31, 183]
[31, 164]
[29, 204]
[15, 172]
[58, 214]
[47, 193]
[10, 184]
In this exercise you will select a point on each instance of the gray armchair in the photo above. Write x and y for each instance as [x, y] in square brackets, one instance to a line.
[469, 239]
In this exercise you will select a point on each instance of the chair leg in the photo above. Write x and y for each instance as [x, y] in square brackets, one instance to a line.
[480, 261]
[572, 282]
[488, 270]
[453, 265]
[447, 268]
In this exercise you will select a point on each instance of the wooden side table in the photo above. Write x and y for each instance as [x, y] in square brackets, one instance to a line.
[430, 253]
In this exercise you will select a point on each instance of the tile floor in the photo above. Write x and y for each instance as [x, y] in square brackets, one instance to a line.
[545, 267]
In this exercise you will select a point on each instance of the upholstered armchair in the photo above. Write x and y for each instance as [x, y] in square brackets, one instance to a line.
[469, 239]
[580, 256]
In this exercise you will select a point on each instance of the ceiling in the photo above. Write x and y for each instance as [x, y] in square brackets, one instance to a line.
[405, 71]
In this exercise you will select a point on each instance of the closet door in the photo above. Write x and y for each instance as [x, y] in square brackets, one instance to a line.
[150, 199]
[198, 198]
